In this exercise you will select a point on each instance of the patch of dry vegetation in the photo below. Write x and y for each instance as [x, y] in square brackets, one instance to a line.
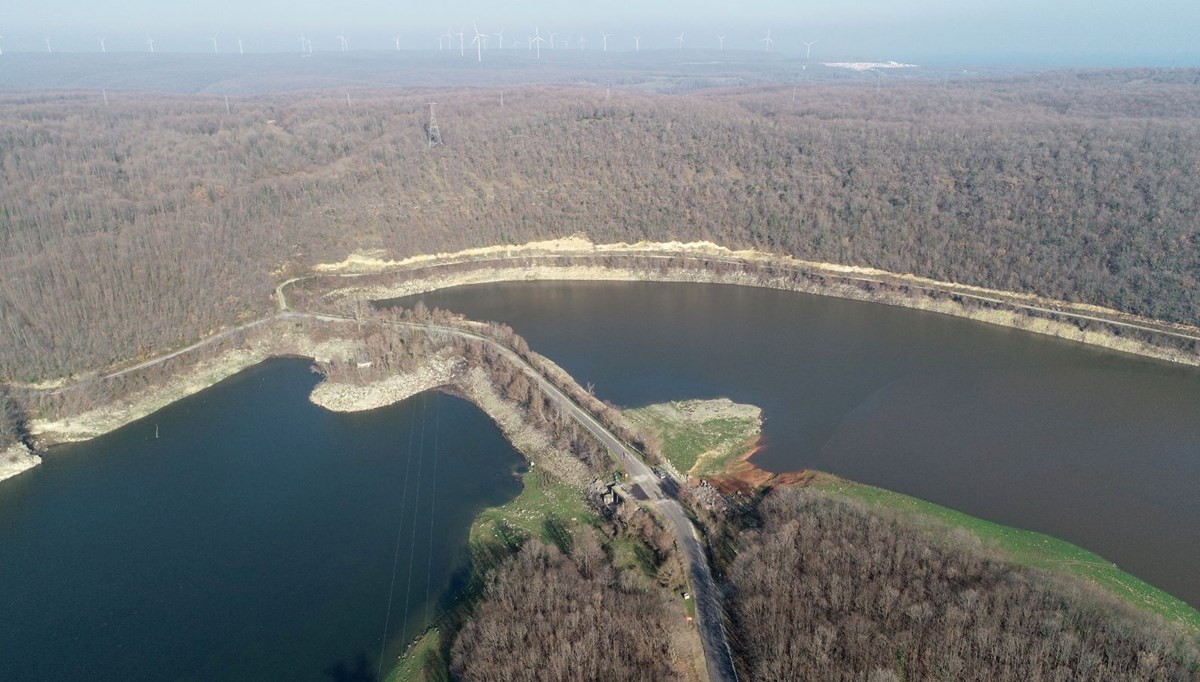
[826, 589]
[567, 616]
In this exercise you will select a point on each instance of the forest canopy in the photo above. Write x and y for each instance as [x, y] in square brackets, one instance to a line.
[139, 226]
[828, 590]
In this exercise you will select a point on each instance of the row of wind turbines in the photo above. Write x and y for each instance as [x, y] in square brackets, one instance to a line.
[241, 48]
[479, 42]
[535, 42]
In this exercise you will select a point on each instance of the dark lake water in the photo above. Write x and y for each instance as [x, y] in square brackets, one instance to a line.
[254, 539]
[1096, 447]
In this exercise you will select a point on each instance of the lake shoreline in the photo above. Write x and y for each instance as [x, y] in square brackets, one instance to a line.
[740, 479]
[677, 262]
[17, 459]
[708, 263]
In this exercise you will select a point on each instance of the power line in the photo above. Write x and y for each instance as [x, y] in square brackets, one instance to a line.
[437, 416]
[412, 427]
[416, 502]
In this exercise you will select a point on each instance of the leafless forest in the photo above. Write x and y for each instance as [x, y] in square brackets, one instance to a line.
[565, 617]
[138, 226]
[826, 590]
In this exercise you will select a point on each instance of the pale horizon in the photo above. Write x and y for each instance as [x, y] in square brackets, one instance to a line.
[924, 31]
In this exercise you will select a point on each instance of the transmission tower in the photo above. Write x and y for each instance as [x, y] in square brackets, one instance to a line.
[434, 135]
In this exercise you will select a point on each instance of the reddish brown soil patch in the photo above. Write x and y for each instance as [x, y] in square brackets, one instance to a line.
[746, 478]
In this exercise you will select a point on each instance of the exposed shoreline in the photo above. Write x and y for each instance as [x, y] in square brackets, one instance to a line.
[268, 341]
[17, 458]
[689, 263]
[453, 375]
[480, 267]
[346, 397]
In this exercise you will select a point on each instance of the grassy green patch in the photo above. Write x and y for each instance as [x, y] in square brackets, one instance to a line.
[633, 553]
[696, 444]
[545, 509]
[1023, 547]
[689, 605]
[422, 662]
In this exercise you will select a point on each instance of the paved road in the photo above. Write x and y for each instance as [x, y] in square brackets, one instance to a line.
[709, 622]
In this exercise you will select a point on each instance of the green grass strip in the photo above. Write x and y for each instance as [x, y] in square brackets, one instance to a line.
[1024, 547]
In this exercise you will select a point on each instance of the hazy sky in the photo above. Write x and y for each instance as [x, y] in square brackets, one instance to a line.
[1055, 32]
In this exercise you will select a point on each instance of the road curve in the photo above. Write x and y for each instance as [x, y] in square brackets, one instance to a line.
[709, 614]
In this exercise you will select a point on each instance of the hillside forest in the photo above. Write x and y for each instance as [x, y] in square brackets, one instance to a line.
[147, 223]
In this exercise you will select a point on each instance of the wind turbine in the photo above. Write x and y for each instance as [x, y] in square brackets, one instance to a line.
[479, 40]
[1, 38]
[637, 43]
[606, 37]
[344, 42]
[581, 42]
[48, 46]
[461, 50]
[150, 42]
[397, 43]
[103, 49]
[537, 40]
[500, 36]
[808, 49]
[680, 39]
[552, 34]
[722, 39]
[767, 41]
[241, 50]
[214, 42]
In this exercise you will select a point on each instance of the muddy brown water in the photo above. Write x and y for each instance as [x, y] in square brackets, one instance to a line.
[1093, 446]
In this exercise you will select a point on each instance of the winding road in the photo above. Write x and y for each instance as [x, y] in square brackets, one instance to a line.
[710, 623]
[709, 619]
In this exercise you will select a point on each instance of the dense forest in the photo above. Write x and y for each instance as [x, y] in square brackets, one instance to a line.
[827, 590]
[150, 222]
[554, 616]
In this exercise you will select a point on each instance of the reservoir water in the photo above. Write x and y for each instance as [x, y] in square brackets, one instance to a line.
[1096, 447]
[256, 536]
[253, 539]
